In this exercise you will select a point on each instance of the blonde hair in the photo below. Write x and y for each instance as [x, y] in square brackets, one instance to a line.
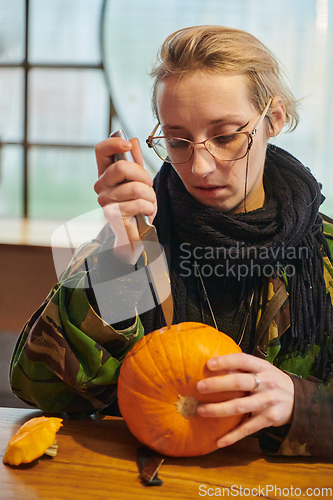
[229, 51]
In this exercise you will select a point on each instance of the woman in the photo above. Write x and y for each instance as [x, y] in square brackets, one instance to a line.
[240, 226]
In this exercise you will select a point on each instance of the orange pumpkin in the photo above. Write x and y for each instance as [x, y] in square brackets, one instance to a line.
[157, 389]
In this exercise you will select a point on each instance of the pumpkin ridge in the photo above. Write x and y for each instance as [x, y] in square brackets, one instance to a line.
[164, 336]
[157, 433]
[137, 391]
[163, 376]
[176, 359]
[160, 442]
[145, 377]
[181, 357]
[187, 365]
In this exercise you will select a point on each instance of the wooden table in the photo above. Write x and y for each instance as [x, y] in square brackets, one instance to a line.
[96, 460]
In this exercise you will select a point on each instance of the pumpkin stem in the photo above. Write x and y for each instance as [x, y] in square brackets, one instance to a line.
[187, 406]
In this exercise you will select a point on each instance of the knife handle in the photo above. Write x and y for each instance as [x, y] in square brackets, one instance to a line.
[122, 156]
[141, 219]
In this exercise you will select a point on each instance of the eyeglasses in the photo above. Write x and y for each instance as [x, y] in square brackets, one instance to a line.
[229, 147]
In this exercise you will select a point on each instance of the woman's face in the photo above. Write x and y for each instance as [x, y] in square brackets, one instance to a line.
[201, 105]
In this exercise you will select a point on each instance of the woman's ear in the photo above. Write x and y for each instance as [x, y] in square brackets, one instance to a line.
[277, 116]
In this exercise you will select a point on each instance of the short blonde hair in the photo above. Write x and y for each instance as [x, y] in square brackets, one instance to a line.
[229, 51]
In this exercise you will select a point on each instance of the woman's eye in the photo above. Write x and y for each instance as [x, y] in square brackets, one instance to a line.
[177, 143]
[224, 139]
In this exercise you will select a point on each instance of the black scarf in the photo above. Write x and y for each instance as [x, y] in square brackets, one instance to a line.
[290, 220]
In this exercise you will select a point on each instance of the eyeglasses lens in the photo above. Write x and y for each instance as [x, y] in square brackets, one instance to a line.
[224, 147]
[228, 147]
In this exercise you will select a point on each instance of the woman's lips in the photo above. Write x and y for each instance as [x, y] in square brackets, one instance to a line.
[210, 191]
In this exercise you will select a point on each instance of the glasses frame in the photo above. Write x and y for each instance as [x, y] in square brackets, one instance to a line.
[250, 136]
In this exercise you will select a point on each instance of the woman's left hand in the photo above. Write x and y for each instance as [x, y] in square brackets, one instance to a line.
[269, 404]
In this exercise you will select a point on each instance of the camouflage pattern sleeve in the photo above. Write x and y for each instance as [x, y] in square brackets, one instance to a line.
[311, 431]
[66, 358]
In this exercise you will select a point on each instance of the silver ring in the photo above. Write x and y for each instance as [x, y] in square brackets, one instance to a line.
[257, 382]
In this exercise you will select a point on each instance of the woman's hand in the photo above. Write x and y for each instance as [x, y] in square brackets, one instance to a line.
[132, 198]
[271, 404]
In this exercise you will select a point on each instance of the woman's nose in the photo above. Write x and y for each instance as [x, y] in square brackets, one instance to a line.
[203, 163]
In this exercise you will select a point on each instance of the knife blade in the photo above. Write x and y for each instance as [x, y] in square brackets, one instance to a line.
[157, 265]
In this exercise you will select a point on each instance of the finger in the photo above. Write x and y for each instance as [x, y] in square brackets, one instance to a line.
[128, 208]
[122, 171]
[236, 381]
[105, 150]
[237, 406]
[131, 228]
[237, 361]
[246, 428]
[136, 151]
[127, 192]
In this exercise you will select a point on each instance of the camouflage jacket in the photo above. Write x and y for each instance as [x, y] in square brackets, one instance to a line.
[67, 359]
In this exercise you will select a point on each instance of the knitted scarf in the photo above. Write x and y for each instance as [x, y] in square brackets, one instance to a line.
[289, 221]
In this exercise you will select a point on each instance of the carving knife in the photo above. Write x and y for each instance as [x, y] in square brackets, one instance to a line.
[155, 259]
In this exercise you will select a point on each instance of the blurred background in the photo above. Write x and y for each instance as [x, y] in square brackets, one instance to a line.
[73, 70]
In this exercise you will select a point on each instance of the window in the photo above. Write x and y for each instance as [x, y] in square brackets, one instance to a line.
[54, 107]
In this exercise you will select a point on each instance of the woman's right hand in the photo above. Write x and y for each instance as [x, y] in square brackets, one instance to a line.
[132, 198]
